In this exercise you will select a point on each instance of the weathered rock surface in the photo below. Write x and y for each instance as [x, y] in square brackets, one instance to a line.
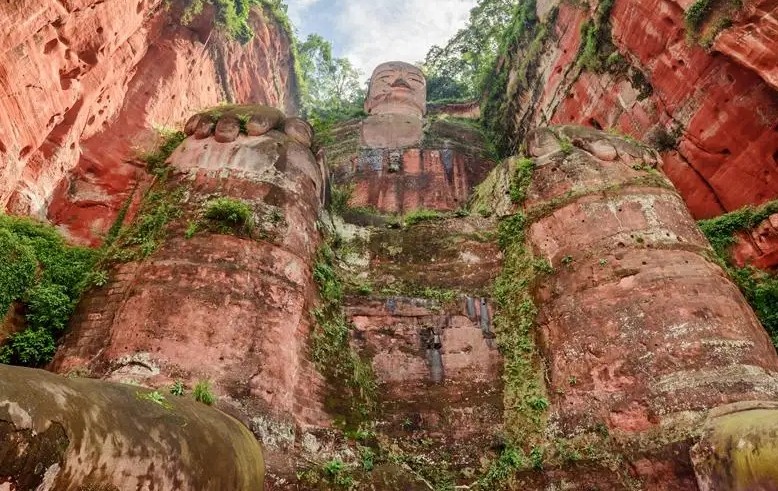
[435, 358]
[83, 83]
[437, 173]
[229, 305]
[641, 333]
[759, 246]
[713, 112]
[70, 433]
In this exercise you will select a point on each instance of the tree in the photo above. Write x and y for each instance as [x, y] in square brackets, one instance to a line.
[459, 68]
[332, 84]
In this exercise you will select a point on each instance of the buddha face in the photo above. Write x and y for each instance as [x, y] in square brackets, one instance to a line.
[397, 88]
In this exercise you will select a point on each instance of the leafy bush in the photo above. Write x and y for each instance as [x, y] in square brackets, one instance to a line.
[32, 347]
[40, 271]
[169, 141]
[230, 211]
[202, 393]
[177, 389]
[759, 288]
[48, 307]
[417, 216]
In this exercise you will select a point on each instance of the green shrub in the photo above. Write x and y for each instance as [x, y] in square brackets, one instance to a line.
[177, 389]
[522, 178]
[202, 393]
[33, 347]
[169, 141]
[48, 307]
[229, 211]
[340, 197]
[418, 216]
[17, 268]
[759, 288]
[696, 15]
[43, 273]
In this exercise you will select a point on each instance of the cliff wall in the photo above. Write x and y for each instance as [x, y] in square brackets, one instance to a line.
[703, 94]
[83, 83]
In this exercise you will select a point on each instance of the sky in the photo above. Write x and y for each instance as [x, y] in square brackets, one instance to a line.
[370, 32]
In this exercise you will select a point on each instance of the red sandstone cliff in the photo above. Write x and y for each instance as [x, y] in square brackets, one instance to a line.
[721, 101]
[83, 83]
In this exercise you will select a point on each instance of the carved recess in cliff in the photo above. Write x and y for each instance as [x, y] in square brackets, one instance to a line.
[641, 333]
[428, 329]
[396, 159]
[84, 83]
[228, 305]
[714, 113]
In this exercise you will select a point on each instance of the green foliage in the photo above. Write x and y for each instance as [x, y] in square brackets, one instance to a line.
[230, 212]
[177, 389]
[333, 474]
[48, 307]
[459, 69]
[333, 90]
[597, 48]
[156, 397]
[155, 160]
[332, 352]
[231, 16]
[340, 196]
[330, 287]
[17, 268]
[759, 288]
[721, 230]
[422, 215]
[701, 11]
[159, 207]
[696, 15]
[522, 177]
[39, 270]
[367, 458]
[191, 229]
[510, 461]
[33, 347]
[202, 393]
[761, 291]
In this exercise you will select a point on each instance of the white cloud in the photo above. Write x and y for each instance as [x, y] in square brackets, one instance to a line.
[370, 32]
[404, 30]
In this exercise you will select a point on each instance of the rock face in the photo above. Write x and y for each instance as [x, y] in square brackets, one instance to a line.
[439, 173]
[435, 358]
[712, 112]
[218, 300]
[640, 332]
[83, 83]
[71, 433]
[758, 247]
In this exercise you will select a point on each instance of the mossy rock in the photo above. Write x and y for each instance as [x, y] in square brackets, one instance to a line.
[739, 448]
[69, 433]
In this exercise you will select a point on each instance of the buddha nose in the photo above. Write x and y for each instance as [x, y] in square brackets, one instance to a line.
[401, 82]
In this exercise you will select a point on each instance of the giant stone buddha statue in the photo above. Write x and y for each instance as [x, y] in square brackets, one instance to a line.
[399, 158]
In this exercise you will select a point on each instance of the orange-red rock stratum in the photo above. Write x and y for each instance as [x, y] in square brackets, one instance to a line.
[83, 82]
[712, 111]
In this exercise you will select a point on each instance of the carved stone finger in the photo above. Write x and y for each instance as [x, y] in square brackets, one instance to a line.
[299, 130]
[227, 129]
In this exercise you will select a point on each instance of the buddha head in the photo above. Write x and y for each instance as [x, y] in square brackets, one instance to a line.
[397, 88]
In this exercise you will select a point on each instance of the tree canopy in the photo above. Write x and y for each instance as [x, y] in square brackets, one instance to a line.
[458, 69]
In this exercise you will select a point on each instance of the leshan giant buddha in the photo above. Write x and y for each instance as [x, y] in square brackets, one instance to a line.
[400, 158]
